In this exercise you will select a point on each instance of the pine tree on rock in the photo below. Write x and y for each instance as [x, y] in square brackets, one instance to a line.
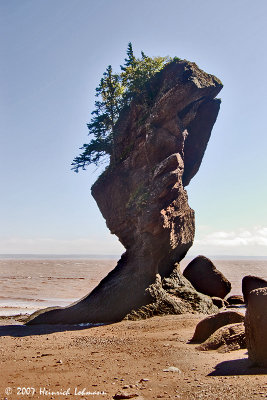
[103, 122]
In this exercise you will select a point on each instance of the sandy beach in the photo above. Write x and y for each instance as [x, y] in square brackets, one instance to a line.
[83, 362]
[129, 357]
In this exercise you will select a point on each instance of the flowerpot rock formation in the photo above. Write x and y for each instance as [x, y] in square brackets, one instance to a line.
[159, 144]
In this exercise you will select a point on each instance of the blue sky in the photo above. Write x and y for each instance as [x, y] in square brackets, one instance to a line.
[53, 54]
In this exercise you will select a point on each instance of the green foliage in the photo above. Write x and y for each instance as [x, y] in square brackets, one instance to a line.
[136, 72]
[114, 92]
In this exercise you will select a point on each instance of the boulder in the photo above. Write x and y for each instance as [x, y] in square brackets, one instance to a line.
[256, 326]
[250, 283]
[227, 338]
[218, 302]
[209, 325]
[235, 300]
[206, 278]
[159, 142]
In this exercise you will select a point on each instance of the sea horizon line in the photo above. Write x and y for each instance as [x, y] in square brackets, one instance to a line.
[31, 256]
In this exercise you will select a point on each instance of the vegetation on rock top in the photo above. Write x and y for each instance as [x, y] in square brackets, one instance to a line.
[114, 92]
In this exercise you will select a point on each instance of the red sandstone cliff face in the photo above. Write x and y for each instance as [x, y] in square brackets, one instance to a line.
[160, 141]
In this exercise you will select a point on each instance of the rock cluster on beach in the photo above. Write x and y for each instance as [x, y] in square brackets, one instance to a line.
[209, 325]
[158, 148]
[230, 330]
[227, 338]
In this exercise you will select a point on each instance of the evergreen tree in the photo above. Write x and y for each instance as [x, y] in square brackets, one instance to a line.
[131, 60]
[103, 121]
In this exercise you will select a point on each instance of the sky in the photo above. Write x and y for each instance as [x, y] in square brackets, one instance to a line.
[53, 54]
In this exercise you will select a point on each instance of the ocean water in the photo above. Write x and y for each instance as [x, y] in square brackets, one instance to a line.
[28, 284]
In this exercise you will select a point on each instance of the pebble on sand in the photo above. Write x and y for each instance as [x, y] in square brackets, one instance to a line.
[172, 369]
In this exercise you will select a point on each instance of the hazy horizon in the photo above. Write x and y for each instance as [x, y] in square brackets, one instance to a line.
[116, 256]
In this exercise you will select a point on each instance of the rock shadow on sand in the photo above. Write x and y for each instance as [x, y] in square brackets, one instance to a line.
[24, 330]
[241, 366]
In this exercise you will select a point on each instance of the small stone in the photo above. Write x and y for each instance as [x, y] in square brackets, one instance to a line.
[220, 303]
[59, 362]
[125, 395]
[144, 380]
[172, 369]
[235, 299]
